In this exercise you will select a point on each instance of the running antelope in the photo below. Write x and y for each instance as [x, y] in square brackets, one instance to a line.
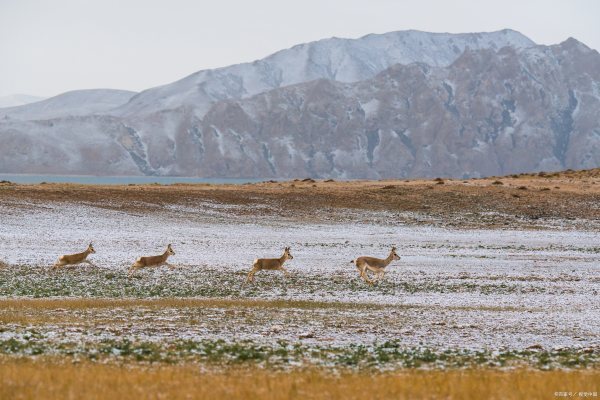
[270, 264]
[153, 261]
[376, 265]
[73, 259]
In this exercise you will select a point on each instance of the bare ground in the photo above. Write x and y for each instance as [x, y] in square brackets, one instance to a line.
[517, 201]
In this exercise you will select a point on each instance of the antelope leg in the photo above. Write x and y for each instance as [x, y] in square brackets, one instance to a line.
[250, 277]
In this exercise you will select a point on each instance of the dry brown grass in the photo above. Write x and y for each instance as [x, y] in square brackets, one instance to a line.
[27, 311]
[26, 379]
[182, 302]
[306, 202]
[85, 303]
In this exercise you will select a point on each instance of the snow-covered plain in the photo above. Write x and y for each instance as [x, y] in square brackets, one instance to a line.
[474, 289]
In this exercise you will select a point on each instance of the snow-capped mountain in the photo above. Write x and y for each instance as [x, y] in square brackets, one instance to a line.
[343, 60]
[77, 102]
[14, 100]
[489, 113]
[498, 104]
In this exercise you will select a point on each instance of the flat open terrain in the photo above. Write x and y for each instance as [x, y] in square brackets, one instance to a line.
[526, 200]
[495, 273]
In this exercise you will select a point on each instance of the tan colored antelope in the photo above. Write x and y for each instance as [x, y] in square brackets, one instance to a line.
[270, 264]
[73, 259]
[153, 261]
[376, 265]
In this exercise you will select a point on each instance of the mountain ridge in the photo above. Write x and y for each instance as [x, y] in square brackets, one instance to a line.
[491, 111]
[297, 64]
[72, 103]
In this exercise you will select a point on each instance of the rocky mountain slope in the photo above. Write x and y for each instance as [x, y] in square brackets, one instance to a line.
[484, 110]
[344, 60]
[490, 112]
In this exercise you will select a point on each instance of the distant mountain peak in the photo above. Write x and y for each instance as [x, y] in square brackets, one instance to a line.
[573, 43]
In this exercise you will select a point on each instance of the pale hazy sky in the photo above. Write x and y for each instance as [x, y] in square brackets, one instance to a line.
[51, 46]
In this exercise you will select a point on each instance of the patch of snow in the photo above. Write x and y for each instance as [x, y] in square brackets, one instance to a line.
[370, 108]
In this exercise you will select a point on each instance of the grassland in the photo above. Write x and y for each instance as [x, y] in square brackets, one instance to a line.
[273, 334]
[495, 295]
[49, 379]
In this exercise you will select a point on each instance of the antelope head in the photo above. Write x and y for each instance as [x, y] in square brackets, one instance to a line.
[170, 250]
[91, 249]
[287, 255]
[394, 255]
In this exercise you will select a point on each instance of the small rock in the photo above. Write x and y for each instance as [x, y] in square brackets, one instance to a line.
[535, 347]
[276, 328]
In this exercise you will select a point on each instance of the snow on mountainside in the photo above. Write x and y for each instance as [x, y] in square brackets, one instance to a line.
[344, 60]
[14, 100]
[75, 103]
[91, 145]
[490, 112]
